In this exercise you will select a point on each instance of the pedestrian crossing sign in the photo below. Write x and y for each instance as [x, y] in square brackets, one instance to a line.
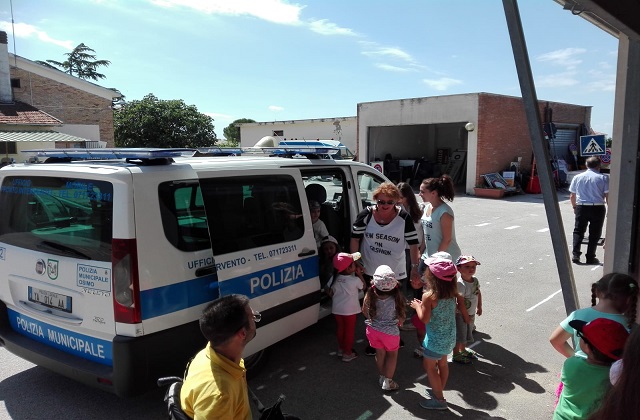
[592, 145]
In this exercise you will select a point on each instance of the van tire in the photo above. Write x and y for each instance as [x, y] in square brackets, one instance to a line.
[255, 363]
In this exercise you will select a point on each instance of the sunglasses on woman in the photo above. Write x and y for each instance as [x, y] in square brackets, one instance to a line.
[389, 203]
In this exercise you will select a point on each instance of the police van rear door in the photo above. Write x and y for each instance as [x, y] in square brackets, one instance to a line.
[264, 248]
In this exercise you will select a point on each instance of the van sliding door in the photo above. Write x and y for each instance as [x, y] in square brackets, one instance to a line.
[263, 244]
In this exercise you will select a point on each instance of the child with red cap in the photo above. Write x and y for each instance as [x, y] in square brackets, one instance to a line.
[586, 380]
[437, 310]
[346, 304]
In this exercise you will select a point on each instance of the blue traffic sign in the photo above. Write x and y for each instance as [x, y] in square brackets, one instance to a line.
[592, 145]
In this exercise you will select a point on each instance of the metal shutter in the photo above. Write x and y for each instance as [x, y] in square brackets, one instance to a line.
[559, 146]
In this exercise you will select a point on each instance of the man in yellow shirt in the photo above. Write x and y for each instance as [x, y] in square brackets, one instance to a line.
[216, 384]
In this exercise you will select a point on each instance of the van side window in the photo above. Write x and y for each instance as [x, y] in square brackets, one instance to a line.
[328, 187]
[63, 216]
[241, 213]
[368, 183]
[183, 217]
[251, 211]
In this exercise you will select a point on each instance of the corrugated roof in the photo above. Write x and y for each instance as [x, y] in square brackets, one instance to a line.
[20, 113]
[38, 136]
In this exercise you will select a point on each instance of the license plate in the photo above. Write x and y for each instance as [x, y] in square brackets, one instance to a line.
[50, 299]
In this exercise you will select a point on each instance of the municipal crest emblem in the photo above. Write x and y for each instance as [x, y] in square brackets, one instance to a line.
[52, 269]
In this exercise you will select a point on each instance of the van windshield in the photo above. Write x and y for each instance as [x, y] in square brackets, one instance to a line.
[63, 216]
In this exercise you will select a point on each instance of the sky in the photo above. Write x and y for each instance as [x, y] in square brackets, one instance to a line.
[274, 60]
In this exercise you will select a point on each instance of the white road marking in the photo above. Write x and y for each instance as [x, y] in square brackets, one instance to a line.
[596, 267]
[483, 224]
[543, 301]
[543, 230]
[511, 227]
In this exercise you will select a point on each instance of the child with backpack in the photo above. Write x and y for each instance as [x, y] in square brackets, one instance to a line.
[586, 380]
[616, 295]
[437, 310]
[384, 310]
[346, 304]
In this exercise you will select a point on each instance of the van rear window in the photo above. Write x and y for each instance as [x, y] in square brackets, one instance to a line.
[62, 216]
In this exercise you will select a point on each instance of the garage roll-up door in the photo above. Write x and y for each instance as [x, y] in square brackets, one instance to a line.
[559, 146]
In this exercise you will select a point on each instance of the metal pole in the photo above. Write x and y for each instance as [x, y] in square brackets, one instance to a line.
[530, 100]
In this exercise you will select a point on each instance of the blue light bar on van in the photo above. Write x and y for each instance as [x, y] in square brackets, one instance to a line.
[301, 150]
[112, 153]
[218, 151]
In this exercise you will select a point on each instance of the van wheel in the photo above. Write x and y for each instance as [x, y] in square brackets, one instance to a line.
[255, 363]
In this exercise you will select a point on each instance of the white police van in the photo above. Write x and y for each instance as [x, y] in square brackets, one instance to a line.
[108, 256]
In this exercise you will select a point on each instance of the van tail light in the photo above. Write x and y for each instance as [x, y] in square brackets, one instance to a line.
[126, 287]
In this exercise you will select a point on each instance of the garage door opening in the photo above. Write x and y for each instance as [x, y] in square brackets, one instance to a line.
[411, 153]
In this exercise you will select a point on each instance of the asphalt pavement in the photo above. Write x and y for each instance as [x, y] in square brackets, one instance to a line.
[514, 379]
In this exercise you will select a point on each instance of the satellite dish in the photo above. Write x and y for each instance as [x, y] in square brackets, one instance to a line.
[267, 141]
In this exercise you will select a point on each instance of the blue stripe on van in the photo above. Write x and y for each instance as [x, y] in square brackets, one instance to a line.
[176, 297]
[167, 299]
[81, 345]
[266, 281]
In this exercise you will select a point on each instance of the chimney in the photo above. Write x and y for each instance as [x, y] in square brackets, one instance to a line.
[6, 94]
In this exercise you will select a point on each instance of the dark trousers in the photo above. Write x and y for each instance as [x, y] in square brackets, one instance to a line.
[593, 216]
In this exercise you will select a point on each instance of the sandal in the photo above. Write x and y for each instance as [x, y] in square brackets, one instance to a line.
[461, 358]
[470, 354]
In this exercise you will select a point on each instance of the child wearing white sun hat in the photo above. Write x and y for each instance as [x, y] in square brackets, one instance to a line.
[384, 310]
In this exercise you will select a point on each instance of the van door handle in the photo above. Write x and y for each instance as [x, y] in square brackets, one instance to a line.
[205, 271]
[306, 253]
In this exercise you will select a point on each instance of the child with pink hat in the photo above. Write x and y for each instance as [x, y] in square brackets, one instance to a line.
[437, 310]
[345, 305]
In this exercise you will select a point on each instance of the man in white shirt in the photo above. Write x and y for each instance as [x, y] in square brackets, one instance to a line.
[589, 194]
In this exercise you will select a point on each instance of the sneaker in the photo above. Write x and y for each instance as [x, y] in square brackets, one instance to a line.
[433, 404]
[461, 358]
[470, 354]
[418, 352]
[339, 353]
[389, 385]
[370, 351]
[593, 261]
[381, 380]
[575, 260]
[429, 393]
[349, 357]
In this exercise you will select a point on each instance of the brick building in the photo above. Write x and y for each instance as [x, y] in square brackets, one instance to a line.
[470, 134]
[83, 107]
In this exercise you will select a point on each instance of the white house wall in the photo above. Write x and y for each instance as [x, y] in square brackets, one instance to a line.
[417, 118]
[322, 128]
[89, 132]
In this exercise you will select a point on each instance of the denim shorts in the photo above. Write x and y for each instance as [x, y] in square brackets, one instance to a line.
[432, 355]
[464, 332]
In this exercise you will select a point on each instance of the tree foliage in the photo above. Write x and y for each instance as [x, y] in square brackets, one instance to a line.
[81, 62]
[232, 133]
[152, 122]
